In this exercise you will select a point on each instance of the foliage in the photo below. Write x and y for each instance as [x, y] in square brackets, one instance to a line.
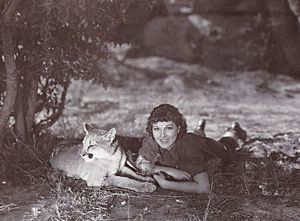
[56, 41]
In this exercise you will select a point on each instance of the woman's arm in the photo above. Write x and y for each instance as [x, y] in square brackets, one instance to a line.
[199, 184]
[149, 168]
[173, 172]
[146, 166]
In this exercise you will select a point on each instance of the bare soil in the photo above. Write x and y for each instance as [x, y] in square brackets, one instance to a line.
[252, 188]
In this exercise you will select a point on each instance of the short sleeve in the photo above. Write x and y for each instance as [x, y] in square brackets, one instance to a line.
[150, 149]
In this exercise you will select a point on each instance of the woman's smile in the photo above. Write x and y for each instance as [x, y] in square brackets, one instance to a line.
[165, 133]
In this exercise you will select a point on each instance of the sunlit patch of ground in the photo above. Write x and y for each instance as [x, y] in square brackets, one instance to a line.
[263, 103]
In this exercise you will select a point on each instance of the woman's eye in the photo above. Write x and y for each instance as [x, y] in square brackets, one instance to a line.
[155, 129]
[170, 128]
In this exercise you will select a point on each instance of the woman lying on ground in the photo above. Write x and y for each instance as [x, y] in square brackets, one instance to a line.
[178, 159]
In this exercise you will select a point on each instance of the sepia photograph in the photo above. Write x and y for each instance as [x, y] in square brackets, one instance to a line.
[153, 110]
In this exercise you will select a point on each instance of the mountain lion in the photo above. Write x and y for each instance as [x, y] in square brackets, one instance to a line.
[101, 161]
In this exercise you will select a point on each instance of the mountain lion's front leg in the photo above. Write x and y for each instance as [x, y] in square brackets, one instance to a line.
[131, 184]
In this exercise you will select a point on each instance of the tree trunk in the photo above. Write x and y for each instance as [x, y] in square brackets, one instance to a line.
[295, 7]
[285, 31]
[20, 112]
[32, 103]
[11, 79]
[10, 65]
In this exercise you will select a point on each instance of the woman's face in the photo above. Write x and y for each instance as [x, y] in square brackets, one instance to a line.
[165, 133]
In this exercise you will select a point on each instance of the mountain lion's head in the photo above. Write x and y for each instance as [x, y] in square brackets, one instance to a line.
[98, 143]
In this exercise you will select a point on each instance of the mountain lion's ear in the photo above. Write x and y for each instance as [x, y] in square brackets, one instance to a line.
[110, 135]
[87, 128]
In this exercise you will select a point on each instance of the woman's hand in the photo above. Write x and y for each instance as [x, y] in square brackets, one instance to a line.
[144, 165]
[159, 178]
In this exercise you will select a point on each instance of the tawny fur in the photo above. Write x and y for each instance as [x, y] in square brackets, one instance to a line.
[100, 161]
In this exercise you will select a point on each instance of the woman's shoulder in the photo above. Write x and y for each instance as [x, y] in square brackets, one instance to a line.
[191, 145]
[189, 136]
[148, 139]
[149, 143]
[149, 149]
[190, 140]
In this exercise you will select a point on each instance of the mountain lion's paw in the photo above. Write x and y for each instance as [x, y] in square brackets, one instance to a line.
[148, 187]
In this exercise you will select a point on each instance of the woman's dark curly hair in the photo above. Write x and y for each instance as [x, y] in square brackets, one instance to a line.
[164, 113]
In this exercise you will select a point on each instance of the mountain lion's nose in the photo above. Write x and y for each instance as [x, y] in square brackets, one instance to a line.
[89, 155]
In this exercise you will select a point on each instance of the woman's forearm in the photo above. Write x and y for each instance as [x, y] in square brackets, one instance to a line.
[168, 170]
[199, 183]
[157, 169]
[189, 186]
[173, 172]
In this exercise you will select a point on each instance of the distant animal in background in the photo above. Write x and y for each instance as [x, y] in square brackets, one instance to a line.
[101, 161]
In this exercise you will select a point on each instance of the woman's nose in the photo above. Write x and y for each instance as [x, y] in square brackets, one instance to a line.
[162, 133]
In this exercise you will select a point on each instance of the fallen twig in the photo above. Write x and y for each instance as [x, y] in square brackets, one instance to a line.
[8, 207]
[209, 200]
[245, 183]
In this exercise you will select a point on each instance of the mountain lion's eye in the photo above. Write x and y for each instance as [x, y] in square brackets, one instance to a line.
[90, 146]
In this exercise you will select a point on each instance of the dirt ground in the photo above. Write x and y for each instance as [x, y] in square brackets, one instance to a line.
[265, 105]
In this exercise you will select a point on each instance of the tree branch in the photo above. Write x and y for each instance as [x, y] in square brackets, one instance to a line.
[10, 64]
[48, 122]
